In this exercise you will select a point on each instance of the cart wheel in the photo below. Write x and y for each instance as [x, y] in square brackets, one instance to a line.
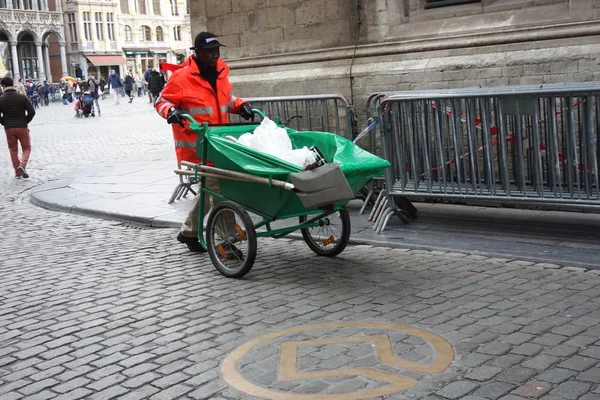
[331, 237]
[232, 252]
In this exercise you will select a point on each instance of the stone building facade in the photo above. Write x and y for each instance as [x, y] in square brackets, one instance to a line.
[125, 35]
[357, 47]
[154, 31]
[31, 35]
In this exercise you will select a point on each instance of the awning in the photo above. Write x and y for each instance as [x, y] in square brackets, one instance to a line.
[106, 60]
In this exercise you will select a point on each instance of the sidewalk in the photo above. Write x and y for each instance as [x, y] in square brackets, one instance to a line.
[138, 191]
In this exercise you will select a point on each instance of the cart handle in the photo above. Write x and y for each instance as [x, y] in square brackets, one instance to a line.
[194, 122]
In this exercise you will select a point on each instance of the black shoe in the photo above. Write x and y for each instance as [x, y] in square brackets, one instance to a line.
[193, 244]
[24, 173]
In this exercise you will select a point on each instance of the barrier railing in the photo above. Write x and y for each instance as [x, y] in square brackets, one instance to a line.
[320, 112]
[524, 145]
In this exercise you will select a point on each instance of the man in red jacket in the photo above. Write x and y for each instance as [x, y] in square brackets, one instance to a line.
[200, 88]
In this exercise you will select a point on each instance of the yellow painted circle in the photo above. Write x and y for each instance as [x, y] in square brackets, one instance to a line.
[288, 362]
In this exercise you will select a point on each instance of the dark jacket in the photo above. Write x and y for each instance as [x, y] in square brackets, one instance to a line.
[16, 110]
[156, 82]
[114, 81]
[128, 83]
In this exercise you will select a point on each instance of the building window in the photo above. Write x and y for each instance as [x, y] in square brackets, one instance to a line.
[174, 7]
[177, 33]
[110, 26]
[128, 36]
[156, 7]
[159, 34]
[141, 6]
[443, 3]
[72, 27]
[125, 6]
[99, 30]
[145, 33]
[27, 4]
[3, 4]
[87, 25]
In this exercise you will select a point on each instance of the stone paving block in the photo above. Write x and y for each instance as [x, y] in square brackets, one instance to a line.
[493, 390]
[71, 385]
[140, 393]
[495, 348]
[38, 386]
[173, 392]
[561, 350]
[508, 360]
[517, 374]
[591, 375]
[578, 363]
[483, 373]
[109, 393]
[541, 362]
[556, 375]
[571, 389]
[457, 390]
[533, 389]
[528, 349]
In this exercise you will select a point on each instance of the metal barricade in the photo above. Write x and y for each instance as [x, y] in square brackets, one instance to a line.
[320, 112]
[523, 145]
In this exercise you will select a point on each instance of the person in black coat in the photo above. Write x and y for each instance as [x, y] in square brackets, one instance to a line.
[156, 83]
[129, 86]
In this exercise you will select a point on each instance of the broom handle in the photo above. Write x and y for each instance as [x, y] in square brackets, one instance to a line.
[239, 175]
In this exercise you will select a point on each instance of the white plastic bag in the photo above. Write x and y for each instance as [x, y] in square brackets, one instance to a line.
[273, 140]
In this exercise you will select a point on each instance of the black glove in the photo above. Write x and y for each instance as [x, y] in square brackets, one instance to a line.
[174, 116]
[246, 112]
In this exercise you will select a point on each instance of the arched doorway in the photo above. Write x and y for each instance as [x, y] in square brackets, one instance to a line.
[27, 54]
[53, 64]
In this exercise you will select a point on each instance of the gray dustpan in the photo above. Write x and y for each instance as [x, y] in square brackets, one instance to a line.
[321, 186]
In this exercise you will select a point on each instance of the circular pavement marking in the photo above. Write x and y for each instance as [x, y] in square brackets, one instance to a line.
[382, 346]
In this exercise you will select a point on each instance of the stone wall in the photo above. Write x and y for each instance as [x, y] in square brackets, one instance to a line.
[278, 47]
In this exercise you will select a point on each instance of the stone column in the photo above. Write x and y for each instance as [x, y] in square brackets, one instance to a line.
[15, 60]
[63, 59]
[40, 61]
[35, 5]
[138, 63]
[59, 6]
[47, 62]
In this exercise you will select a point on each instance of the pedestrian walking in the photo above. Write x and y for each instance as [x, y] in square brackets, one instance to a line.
[52, 90]
[114, 83]
[129, 86]
[45, 90]
[16, 112]
[156, 84]
[102, 85]
[203, 75]
[93, 88]
[147, 80]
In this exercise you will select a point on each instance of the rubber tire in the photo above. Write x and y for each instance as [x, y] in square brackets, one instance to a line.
[250, 233]
[346, 227]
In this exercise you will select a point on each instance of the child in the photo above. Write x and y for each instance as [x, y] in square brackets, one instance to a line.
[77, 108]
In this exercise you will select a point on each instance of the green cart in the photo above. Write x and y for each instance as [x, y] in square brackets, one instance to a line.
[257, 182]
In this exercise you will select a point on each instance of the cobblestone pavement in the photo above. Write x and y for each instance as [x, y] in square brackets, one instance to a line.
[96, 309]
